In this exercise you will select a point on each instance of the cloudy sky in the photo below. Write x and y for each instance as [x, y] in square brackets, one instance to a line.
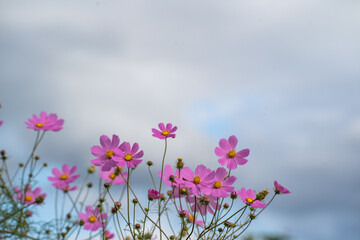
[283, 76]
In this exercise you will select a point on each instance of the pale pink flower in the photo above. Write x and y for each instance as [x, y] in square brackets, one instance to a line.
[228, 154]
[222, 184]
[280, 189]
[249, 197]
[45, 122]
[108, 235]
[165, 132]
[130, 156]
[92, 218]
[191, 218]
[30, 197]
[108, 154]
[114, 175]
[63, 178]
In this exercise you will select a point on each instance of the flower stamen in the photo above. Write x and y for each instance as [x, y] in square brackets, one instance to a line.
[232, 154]
[109, 154]
[217, 185]
[165, 132]
[196, 180]
[39, 125]
[64, 176]
[128, 157]
[92, 219]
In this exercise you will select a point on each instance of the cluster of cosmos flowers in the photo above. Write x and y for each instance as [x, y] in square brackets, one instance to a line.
[203, 188]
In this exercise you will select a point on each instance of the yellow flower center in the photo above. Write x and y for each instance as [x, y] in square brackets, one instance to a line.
[128, 157]
[112, 176]
[249, 200]
[92, 219]
[109, 154]
[196, 180]
[217, 185]
[64, 176]
[39, 125]
[232, 154]
[165, 132]
[191, 218]
[28, 198]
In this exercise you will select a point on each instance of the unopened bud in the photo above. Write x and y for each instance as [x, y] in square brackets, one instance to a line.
[261, 195]
[137, 226]
[91, 169]
[45, 164]
[36, 157]
[107, 185]
[89, 185]
[81, 222]
[63, 234]
[226, 206]
[101, 200]
[118, 205]
[182, 213]
[135, 201]
[3, 152]
[252, 208]
[39, 199]
[47, 231]
[68, 216]
[68, 228]
[233, 195]
[149, 163]
[21, 164]
[220, 229]
[180, 163]
[113, 210]
[252, 216]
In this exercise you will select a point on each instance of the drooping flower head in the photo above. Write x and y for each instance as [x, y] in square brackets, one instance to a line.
[108, 154]
[130, 156]
[249, 197]
[165, 132]
[280, 189]
[92, 218]
[114, 176]
[153, 194]
[45, 122]
[62, 178]
[228, 155]
[30, 197]
[222, 184]
[203, 178]
[108, 235]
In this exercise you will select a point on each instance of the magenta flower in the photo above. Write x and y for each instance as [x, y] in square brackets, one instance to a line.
[30, 197]
[108, 154]
[108, 235]
[203, 178]
[280, 189]
[249, 197]
[1, 123]
[229, 155]
[130, 156]
[165, 132]
[114, 176]
[222, 185]
[64, 177]
[153, 194]
[45, 122]
[92, 219]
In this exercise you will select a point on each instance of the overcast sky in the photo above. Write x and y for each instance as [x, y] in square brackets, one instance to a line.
[283, 76]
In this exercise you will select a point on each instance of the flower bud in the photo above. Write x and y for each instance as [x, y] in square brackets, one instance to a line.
[68, 216]
[261, 195]
[39, 199]
[45, 164]
[91, 169]
[137, 226]
[89, 185]
[68, 228]
[47, 231]
[113, 210]
[63, 234]
[149, 163]
[220, 229]
[252, 209]
[182, 213]
[233, 195]
[107, 185]
[29, 213]
[117, 205]
[180, 163]
[226, 206]
[135, 201]
[252, 216]
[21, 164]
[36, 157]
[81, 222]
[3, 152]
[101, 200]
[172, 237]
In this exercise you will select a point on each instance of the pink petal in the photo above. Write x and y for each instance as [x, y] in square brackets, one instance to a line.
[105, 142]
[243, 153]
[224, 144]
[233, 141]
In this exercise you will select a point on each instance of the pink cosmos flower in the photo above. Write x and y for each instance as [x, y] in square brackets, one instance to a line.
[30, 197]
[222, 185]
[229, 155]
[280, 189]
[169, 177]
[153, 194]
[92, 218]
[130, 156]
[204, 204]
[45, 122]
[190, 219]
[114, 176]
[64, 177]
[249, 197]
[165, 132]
[108, 235]
[203, 178]
[108, 154]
